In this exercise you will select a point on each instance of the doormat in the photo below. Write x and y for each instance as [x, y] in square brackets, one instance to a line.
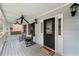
[47, 51]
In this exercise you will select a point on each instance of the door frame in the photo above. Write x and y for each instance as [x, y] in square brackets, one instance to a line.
[57, 39]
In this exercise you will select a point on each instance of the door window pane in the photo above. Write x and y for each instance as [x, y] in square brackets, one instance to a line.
[49, 27]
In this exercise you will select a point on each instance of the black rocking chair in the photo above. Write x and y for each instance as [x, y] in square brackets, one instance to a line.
[29, 41]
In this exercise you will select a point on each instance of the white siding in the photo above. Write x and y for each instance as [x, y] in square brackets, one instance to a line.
[71, 30]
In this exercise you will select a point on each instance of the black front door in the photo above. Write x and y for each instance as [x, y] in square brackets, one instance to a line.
[49, 33]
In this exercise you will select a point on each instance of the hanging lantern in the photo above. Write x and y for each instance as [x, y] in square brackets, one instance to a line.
[73, 9]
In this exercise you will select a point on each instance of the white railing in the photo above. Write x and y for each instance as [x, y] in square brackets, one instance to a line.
[3, 39]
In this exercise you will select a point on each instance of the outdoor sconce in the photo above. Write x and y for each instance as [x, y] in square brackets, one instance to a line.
[35, 21]
[73, 9]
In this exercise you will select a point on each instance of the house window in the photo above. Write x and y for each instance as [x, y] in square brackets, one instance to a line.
[1, 27]
[41, 27]
[29, 29]
[59, 26]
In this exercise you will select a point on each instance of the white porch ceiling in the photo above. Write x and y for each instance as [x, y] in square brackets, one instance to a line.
[30, 10]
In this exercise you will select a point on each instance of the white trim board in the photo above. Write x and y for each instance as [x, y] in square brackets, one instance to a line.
[59, 38]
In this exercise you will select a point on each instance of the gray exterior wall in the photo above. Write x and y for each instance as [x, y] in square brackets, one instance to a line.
[71, 30]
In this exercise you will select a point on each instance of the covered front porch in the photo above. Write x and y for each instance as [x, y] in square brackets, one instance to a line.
[15, 47]
[52, 26]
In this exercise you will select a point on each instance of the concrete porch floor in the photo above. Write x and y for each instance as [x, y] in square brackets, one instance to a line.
[13, 47]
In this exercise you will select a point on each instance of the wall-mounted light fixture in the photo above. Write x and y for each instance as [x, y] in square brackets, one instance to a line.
[73, 9]
[35, 21]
